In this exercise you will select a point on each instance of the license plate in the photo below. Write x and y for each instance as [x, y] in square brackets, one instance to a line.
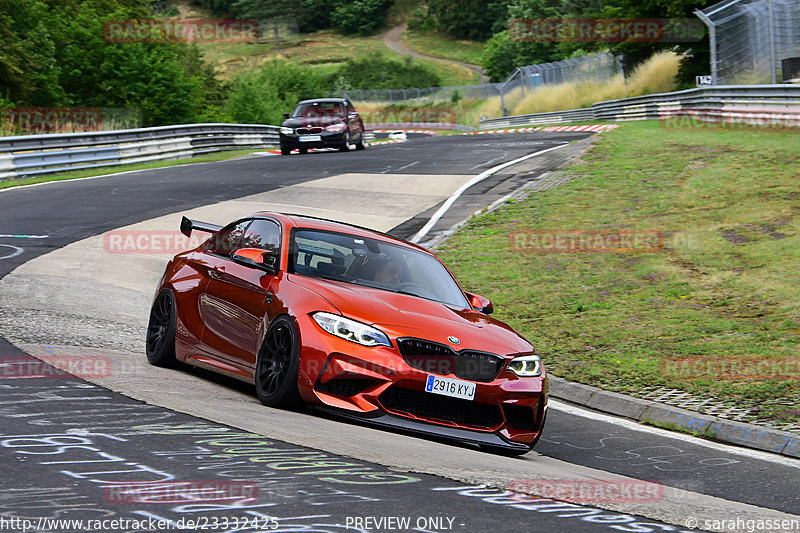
[310, 138]
[450, 387]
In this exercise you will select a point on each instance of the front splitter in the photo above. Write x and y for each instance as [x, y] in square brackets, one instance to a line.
[390, 421]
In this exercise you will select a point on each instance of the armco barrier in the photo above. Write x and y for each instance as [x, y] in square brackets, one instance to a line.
[417, 125]
[30, 155]
[778, 104]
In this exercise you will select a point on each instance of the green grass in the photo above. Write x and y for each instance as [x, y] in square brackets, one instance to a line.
[438, 45]
[90, 172]
[707, 434]
[723, 288]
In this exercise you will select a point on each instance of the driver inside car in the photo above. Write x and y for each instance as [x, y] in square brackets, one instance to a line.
[389, 273]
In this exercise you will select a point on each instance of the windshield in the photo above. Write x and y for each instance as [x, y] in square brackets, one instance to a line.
[319, 109]
[373, 263]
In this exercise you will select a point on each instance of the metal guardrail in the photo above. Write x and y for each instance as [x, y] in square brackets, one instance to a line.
[417, 125]
[779, 104]
[30, 155]
[537, 119]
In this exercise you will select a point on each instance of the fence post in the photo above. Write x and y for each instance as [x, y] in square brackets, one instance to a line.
[772, 59]
[712, 42]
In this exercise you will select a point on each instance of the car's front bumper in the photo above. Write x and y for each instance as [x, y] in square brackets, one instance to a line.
[326, 140]
[378, 386]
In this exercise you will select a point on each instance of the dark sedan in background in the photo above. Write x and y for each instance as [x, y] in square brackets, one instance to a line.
[322, 123]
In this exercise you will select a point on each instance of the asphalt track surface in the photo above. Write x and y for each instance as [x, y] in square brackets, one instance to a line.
[50, 425]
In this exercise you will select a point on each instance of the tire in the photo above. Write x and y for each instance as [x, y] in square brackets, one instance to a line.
[360, 144]
[160, 342]
[277, 364]
[345, 147]
[303, 150]
[285, 151]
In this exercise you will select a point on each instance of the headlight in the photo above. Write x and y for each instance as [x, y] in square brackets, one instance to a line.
[287, 131]
[526, 366]
[335, 127]
[351, 330]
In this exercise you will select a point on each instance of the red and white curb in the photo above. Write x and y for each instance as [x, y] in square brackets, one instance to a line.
[427, 132]
[388, 141]
[598, 128]
[515, 130]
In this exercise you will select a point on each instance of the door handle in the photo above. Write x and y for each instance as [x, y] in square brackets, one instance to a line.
[217, 272]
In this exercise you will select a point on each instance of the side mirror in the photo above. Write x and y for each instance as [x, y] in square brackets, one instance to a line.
[286, 115]
[479, 303]
[258, 258]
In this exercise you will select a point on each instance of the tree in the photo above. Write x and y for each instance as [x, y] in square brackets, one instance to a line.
[361, 16]
[468, 19]
[55, 54]
[633, 53]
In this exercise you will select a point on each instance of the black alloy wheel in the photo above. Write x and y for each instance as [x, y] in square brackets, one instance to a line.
[160, 343]
[277, 364]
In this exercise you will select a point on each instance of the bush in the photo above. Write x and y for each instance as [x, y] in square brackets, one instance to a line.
[262, 96]
[420, 21]
[380, 73]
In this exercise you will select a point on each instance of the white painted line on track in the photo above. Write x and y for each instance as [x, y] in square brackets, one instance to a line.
[636, 426]
[407, 166]
[477, 179]
[15, 251]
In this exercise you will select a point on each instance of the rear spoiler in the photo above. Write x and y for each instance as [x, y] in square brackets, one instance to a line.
[188, 225]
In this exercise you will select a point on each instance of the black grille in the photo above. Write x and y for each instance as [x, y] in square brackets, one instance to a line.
[310, 129]
[442, 360]
[440, 408]
[345, 386]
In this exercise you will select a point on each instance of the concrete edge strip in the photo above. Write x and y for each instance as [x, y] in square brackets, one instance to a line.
[648, 411]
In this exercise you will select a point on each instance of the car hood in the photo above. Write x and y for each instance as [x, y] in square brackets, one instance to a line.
[401, 315]
[301, 122]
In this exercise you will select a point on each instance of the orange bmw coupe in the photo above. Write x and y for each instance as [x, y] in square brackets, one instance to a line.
[350, 321]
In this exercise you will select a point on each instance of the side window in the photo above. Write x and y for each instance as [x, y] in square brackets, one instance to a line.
[263, 234]
[226, 240]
